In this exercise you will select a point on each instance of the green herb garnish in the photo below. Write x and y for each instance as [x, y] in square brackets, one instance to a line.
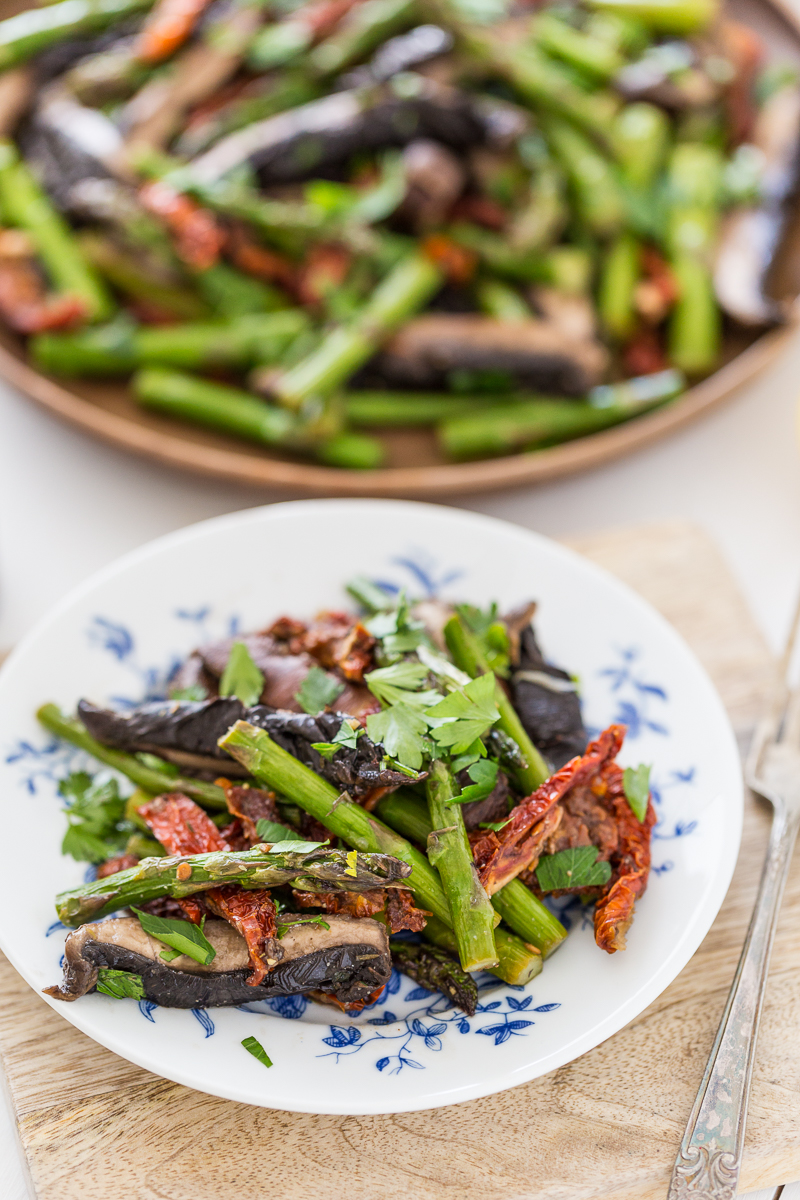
[282, 926]
[401, 683]
[326, 749]
[400, 730]
[195, 691]
[491, 633]
[97, 829]
[495, 826]
[483, 774]
[575, 868]
[122, 985]
[241, 677]
[466, 714]
[253, 1046]
[636, 782]
[168, 955]
[182, 936]
[317, 691]
[271, 831]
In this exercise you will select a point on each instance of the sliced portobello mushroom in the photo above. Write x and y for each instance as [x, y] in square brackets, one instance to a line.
[536, 353]
[319, 135]
[186, 732]
[547, 702]
[349, 960]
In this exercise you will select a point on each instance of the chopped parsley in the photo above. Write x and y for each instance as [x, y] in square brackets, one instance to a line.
[283, 926]
[483, 774]
[98, 828]
[491, 634]
[317, 691]
[326, 749]
[397, 632]
[295, 847]
[195, 691]
[495, 826]
[401, 682]
[348, 735]
[575, 868]
[181, 936]
[122, 985]
[271, 831]
[636, 782]
[400, 730]
[466, 715]
[241, 677]
[253, 1046]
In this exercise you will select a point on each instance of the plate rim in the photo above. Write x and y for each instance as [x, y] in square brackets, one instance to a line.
[589, 1038]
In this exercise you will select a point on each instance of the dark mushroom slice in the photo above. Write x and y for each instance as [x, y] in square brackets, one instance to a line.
[751, 237]
[349, 960]
[535, 353]
[548, 704]
[186, 732]
[316, 136]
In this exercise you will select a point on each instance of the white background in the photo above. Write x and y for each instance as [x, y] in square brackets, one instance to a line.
[69, 505]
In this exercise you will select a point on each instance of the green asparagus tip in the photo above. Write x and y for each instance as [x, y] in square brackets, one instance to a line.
[352, 451]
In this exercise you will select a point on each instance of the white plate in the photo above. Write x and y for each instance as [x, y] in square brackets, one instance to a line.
[115, 639]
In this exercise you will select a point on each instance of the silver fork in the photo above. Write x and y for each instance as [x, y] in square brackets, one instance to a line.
[710, 1155]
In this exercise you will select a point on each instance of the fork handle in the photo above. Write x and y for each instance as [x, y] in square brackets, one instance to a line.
[710, 1155]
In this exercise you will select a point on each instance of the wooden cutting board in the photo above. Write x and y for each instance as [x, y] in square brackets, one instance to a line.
[606, 1126]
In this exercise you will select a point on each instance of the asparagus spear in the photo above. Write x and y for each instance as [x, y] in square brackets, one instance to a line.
[436, 971]
[263, 98]
[130, 274]
[351, 451]
[618, 278]
[151, 779]
[231, 293]
[179, 876]
[25, 206]
[406, 408]
[275, 768]
[694, 180]
[229, 409]
[28, 32]
[519, 908]
[120, 347]
[595, 188]
[541, 219]
[664, 16]
[450, 853]
[595, 56]
[641, 138]
[519, 963]
[467, 654]
[500, 429]
[639, 391]
[404, 291]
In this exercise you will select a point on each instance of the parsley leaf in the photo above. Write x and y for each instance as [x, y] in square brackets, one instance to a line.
[326, 749]
[182, 936]
[195, 691]
[283, 926]
[468, 714]
[168, 955]
[271, 831]
[494, 825]
[253, 1046]
[574, 868]
[295, 847]
[491, 633]
[241, 677]
[636, 783]
[317, 691]
[483, 774]
[120, 984]
[400, 730]
[96, 817]
[348, 735]
[397, 632]
[400, 682]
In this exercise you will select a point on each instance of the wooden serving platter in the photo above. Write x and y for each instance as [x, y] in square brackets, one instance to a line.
[605, 1127]
[415, 467]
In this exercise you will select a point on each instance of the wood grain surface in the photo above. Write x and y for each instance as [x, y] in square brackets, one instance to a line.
[606, 1126]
